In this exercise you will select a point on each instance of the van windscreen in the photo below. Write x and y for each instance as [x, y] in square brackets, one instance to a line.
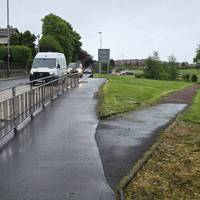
[44, 63]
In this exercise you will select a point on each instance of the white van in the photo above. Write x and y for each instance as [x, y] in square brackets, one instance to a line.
[48, 64]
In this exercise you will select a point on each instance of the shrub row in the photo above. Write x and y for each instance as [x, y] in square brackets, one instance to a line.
[17, 53]
[188, 77]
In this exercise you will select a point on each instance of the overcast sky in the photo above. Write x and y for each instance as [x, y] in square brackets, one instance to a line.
[132, 28]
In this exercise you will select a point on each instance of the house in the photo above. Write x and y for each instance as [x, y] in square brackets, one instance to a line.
[4, 34]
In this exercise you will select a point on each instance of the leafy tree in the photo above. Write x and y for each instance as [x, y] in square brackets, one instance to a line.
[197, 57]
[112, 63]
[156, 69]
[64, 34]
[172, 67]
[24, 39]
[49, 43]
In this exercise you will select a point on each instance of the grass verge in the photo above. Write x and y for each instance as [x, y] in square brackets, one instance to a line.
[173, 170]
[192, 114]
[125, 93]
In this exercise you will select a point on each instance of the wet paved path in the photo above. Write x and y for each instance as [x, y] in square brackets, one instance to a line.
[123, 140]
[55, 157]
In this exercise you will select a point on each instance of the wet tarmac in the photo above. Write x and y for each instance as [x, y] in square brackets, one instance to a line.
[10, 83]
[55, 157]
[123, 140]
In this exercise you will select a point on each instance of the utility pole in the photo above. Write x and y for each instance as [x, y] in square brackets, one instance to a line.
[38, 47]
[8, 37]
[100, 33]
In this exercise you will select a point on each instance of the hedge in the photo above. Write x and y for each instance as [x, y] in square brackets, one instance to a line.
[17, 53]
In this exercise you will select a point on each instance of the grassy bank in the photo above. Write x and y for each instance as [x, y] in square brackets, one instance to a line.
[173, 170]
[125, 93]
[193, 113]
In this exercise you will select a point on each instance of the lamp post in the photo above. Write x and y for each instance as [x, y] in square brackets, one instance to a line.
[100, 34]
[38, 47]
[8, 37]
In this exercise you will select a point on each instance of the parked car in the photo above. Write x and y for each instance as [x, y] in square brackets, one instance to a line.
[47, 64]
[126, 72]
[75, 68]
[72, 68]
[88, 71]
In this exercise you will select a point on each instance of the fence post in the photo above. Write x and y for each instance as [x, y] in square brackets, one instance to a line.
[43, 98]
[14, 109]
[67, 82]
[30, 102]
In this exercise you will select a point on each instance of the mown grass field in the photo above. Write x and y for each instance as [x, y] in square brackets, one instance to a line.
[125, 93]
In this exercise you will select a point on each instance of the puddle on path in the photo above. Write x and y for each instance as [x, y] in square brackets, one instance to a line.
[123, 140]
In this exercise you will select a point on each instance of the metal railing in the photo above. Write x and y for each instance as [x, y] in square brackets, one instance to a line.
[21, 105]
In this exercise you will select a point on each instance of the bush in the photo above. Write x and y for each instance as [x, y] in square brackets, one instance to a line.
[20, 53]
[172, 70]
[3, 53]
[139, 75]
[17, 53]
[186, 77]
[155, 70]
[194, 78]
[49, 43]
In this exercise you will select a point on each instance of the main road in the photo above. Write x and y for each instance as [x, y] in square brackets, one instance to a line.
[55, 157]
[11, 82]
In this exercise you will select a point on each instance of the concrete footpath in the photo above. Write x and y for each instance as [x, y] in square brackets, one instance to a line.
[55, 157]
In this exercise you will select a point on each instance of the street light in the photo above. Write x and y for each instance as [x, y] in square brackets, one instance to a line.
[38, 47]
[100, 34]
[8, 37]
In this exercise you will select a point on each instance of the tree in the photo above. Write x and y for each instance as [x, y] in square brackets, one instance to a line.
[197, 57]
[112, 63]
[64, 34]
[156, 69]
[172, 67]
[24, 39]
[49, 43]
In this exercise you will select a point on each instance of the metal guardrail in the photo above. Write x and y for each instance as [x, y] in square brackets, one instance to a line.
[19, 107]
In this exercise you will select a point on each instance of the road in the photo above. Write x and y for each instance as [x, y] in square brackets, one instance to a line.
[23, 87]
[9, 83]
[56, 156]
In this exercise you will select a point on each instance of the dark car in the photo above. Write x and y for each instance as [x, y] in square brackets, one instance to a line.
[88, 71]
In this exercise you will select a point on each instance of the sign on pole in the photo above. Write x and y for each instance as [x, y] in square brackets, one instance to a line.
[104, 56]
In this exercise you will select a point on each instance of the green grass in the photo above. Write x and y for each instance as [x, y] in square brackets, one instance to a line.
[125, 93]
[193, 113]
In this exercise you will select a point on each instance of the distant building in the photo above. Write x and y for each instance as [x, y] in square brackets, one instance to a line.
[4, 35]
[130, 62]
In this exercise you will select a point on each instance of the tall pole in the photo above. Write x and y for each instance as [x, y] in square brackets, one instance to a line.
[8, 37]
[100, 33]
[38, 47]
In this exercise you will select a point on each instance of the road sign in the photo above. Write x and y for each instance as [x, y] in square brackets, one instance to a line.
[104, 56]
